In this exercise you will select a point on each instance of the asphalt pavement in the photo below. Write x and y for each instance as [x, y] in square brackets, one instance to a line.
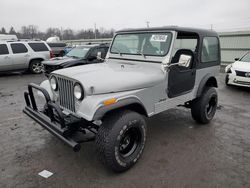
[178, 153]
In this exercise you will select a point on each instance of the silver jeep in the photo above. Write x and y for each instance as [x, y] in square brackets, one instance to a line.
[146, 71]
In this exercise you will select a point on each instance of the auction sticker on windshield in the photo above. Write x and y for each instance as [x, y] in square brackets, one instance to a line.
[159, 38]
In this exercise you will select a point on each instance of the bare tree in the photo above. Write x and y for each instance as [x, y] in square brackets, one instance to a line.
[32, 31]
[12, 30]
[28, 32]
[68, 34]
[51, 32]
[3, 31]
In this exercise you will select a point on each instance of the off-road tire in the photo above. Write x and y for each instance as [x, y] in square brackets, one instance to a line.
[203, 108]
[34, 67]
[110, 139]
[227, 79]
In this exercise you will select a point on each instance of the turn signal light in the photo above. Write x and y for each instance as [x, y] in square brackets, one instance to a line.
[109, 101]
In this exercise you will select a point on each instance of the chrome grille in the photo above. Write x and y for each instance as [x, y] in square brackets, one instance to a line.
[66, 94]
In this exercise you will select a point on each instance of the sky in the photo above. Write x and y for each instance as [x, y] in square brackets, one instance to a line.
[221, 15]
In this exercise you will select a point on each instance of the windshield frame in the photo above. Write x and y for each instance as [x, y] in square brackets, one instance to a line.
[144, 32]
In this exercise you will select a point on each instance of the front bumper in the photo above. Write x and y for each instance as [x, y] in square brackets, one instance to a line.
[50, 68]
[238, 80]
[55, 121]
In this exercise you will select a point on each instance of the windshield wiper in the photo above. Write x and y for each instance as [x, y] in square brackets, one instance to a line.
[141, 53]
[73, 56]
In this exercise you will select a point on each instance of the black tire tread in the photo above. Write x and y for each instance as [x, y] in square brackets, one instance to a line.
[103, 150]
[198, 105]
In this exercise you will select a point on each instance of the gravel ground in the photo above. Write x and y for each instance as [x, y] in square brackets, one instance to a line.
[178, 153]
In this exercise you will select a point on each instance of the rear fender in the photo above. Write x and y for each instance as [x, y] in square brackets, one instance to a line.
[207, 81]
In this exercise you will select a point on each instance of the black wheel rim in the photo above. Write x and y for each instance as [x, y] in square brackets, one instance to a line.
[211, 106]
[130, 142]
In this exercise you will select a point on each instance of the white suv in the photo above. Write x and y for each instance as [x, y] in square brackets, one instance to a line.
[23, 55]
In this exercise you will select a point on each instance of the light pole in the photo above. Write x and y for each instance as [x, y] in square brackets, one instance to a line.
[95, 30]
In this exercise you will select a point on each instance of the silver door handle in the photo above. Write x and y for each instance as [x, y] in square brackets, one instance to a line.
[6, 57]
[27, 55]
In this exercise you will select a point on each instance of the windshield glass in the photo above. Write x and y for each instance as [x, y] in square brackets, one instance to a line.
[149, 44]
[246, 58]
[78, 52]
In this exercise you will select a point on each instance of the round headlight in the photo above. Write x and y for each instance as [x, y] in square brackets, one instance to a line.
[53, 83]
[78, 92]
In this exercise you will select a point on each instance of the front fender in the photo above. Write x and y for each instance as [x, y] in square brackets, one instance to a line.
[92, 107]
[101, 111]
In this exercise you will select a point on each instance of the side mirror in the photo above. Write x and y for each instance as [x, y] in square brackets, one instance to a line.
[185, 60]
[91, 58]
[99, 55]
[237, 59]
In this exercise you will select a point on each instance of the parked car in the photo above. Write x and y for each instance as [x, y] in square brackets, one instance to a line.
[58, 48]
[23, 55]
[238, 73]
[80, 55]
[146, 72]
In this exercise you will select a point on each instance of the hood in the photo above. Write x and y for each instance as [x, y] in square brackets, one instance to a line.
[62, 61]
[115, 77]
[241, 66]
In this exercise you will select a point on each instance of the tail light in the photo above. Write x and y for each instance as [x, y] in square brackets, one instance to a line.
[51, 54]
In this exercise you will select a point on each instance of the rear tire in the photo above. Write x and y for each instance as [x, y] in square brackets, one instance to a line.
[203, 108]
[120, 140]
[36, 67]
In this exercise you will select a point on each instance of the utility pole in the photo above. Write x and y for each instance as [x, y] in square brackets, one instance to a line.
[211, 26]
[147, 22]
[95, 30]
[61, 33]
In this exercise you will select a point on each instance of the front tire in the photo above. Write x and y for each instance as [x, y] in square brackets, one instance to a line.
[36, 67]
[121, 139]
[203, 108]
